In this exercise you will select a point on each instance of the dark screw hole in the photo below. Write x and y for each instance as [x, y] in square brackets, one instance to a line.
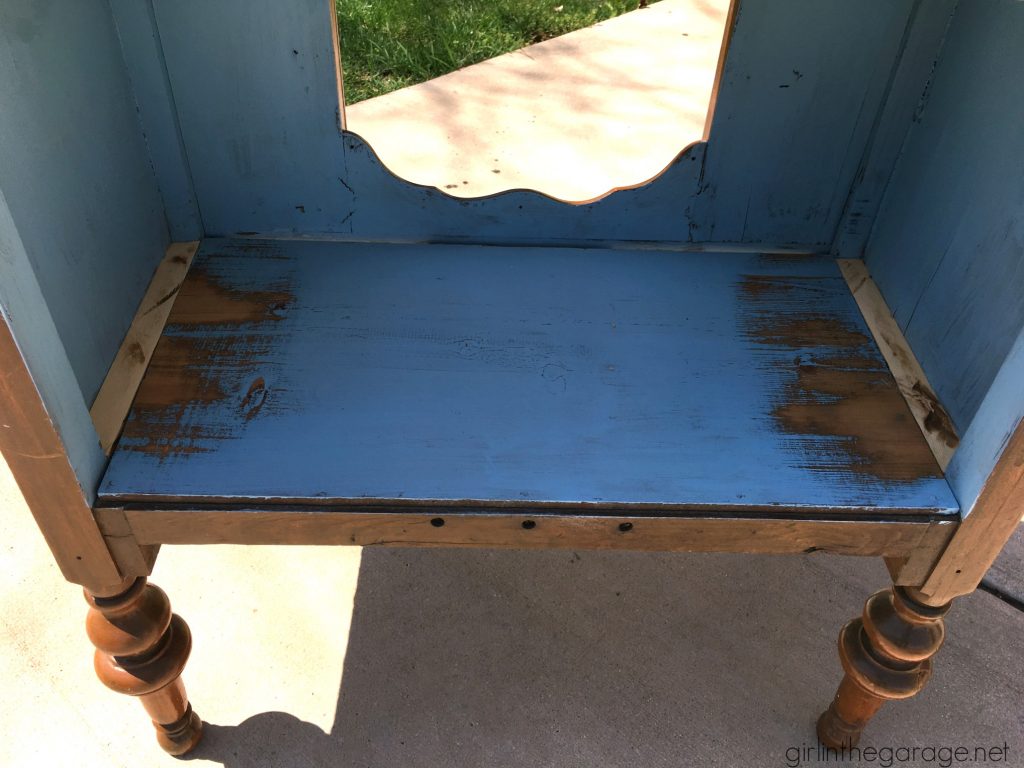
[625, 527]
[437, 522]
[529, 524]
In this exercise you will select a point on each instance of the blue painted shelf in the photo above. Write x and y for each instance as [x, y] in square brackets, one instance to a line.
[406, 376]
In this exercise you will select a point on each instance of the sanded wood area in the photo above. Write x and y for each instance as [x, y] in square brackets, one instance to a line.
[985, 531]
[110, 408]
[914, 568]
[539, 529]
[933, 419]
[300, 371]
[37, 458]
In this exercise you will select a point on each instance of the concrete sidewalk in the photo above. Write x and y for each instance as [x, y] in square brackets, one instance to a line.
[467, 659]
[342, 657]
[574, 117]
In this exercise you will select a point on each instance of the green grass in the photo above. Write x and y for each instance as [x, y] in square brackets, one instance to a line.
[389, 44]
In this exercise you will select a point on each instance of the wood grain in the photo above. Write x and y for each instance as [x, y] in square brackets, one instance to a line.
[886, 655]
[913, 569]
[985, 531]
[141, 650]
[33, 450]
[133, 558]
[110, 408]
[320, 371]
[986, 474]
[543, 530]
[933, 419]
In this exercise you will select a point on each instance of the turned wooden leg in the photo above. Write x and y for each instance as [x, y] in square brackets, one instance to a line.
[886, 654]
[141, 649]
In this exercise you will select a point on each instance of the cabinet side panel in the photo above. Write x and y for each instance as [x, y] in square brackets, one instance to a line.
[76, 176]
[947, 250]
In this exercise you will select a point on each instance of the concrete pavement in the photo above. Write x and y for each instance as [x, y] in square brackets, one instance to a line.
[574, 117]
[401, 657]
[348, 657]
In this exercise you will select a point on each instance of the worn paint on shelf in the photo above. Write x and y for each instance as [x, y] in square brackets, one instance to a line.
[327, 372]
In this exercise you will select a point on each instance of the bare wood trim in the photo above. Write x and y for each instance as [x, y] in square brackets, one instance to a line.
[985, 531]
[894, 566]
[37, 458]
[543, 531]
[730, 25]
[933, 419]
[912, 570]
[339, 73]
[122, 543]
[111, 406]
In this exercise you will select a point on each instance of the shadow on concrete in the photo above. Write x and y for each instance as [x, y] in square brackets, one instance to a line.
[559, 658]
[503, 658]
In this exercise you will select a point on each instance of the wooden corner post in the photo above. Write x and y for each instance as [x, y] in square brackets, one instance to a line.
[141, 646]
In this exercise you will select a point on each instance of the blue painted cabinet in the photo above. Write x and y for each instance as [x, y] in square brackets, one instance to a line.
[352, 358]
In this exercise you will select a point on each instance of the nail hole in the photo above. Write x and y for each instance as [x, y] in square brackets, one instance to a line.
[958, 570]
[529, 524]
[437, 522]
[625, 527]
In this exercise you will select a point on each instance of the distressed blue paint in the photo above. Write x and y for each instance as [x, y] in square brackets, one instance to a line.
[74, 172]
[508, 375]
[1000, 413]
[255, 85]
[799, 94]
[288, 169]
[143, 53]
[24, 309]
[82, 224]
[388, 208]
[948, 248]
[924, 37]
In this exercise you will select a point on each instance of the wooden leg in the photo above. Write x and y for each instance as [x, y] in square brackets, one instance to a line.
[886, 654]
[141, 649]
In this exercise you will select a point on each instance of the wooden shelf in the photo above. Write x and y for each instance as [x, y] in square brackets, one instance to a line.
[400, 377]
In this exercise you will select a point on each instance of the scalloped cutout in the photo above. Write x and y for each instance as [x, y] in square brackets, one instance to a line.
[632, 93]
